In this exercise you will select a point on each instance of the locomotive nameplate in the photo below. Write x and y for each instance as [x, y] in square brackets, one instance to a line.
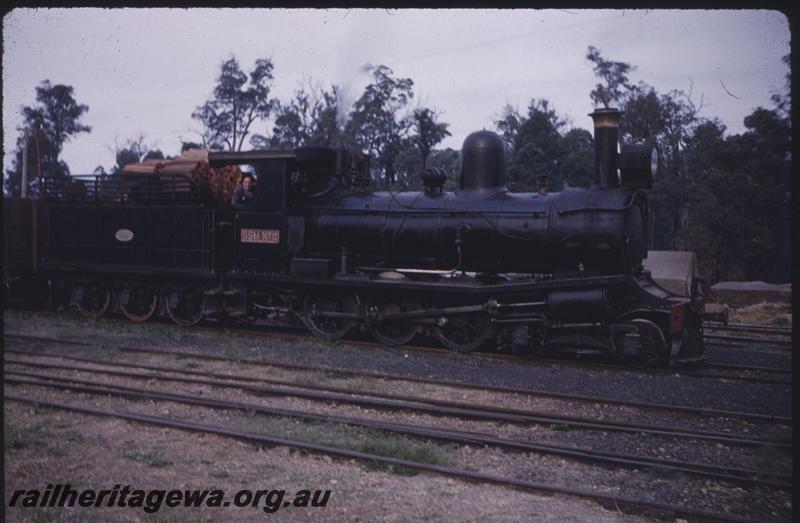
[124, 235]
[260, 236]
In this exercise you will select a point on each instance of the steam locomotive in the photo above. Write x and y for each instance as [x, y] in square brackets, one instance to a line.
[551, 271]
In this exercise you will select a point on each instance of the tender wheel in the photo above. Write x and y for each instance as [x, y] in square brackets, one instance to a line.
[186, 309]
[319, 315]
[95, 300]
[389, 332]
[142, 303]
[463, 333]
[653, 348]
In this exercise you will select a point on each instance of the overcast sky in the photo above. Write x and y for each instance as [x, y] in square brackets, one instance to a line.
[146, 70]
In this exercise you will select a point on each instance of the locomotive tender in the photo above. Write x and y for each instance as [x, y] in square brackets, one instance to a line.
[559, 271]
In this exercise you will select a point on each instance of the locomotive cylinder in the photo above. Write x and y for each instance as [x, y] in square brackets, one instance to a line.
[583, 305]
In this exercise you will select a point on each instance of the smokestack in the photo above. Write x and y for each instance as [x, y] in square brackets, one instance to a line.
[606, 139]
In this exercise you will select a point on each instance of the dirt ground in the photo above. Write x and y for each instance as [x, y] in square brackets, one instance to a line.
[48, 447]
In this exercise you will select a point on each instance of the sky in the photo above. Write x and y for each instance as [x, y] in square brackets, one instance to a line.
[144, 71]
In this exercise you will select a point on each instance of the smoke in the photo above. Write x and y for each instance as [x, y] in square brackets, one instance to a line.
[350, 82]
[344, 103]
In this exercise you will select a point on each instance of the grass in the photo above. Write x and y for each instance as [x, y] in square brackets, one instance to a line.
[399, 447]
[153, 458]
[781, 321]
[560, 427]
[99, 352]
[774, 314]
[337, 375]
[39, 437]
[362, 384]
[769, 457]
[350, 438]
[23, 438]
[665, 474]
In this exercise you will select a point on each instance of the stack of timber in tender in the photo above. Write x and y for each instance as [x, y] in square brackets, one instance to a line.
[216, 184]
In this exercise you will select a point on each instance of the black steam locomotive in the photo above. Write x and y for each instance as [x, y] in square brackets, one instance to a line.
[551, 271]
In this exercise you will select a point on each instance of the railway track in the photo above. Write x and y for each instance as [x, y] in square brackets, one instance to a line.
[751, 374]
[23, 372]
[384, 400]
[723, 339]
[632, 505]
[658, 407]
[762, 373]
[715, 339]
[760, 335]
[719, 473]
[748, 327]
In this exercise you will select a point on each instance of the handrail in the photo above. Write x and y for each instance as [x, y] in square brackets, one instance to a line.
[122, 188]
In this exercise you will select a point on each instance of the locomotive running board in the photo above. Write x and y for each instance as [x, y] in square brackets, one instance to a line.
[465, 289]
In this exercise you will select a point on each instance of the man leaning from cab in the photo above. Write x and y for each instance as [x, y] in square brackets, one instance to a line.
[245, 193]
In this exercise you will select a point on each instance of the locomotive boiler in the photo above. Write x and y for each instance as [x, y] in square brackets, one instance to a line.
[483, 227]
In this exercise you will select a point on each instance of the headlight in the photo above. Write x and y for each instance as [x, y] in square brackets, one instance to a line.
[654, 163]
[638, 165]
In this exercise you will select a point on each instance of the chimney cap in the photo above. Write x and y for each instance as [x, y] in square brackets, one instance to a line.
[606, 117]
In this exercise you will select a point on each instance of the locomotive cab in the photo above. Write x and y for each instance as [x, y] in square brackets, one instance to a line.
[270, 230]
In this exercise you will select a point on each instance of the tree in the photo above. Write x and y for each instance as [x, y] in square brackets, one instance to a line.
[766, 158]
[376, 123]
[237, 103]
[417, 150]
[330, 119]
[427, 132]
[310, 119]
[508, 123]
[292, 125]
[739, 199]
[48, 125]
[407, 168]
[577, 163]
[449, 160]
[613, 74]
[664, 120]
[537, 149]
[539, 144]
[134, 150]
[725, 197]
[783, 101]
[185, 146]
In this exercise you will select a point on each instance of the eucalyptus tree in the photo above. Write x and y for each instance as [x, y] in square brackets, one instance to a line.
[311, 118]
[378, 123]
[427, 132]
[134, 150]
[51, 122]
[239, 100]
